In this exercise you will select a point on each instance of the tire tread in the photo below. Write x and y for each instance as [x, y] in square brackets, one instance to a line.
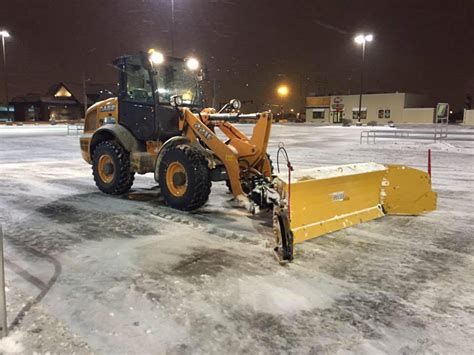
[202, 179]
[126, 176]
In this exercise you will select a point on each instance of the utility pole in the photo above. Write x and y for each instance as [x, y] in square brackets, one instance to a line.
[214, 93]
[172, 27]
[362, 39]
[84, 92]
[303, 90]
[4, 35]
[361, 81]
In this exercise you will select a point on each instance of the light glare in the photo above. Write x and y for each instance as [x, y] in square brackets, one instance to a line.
[362, 38]
[156, 57]
[283, 90]
[192, 63]
[359, 39]
[4, 34]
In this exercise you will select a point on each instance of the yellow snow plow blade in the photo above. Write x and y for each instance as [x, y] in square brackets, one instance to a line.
[328, 199]
[407, 191]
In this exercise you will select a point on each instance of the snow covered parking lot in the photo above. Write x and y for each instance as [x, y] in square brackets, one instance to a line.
[88, 272]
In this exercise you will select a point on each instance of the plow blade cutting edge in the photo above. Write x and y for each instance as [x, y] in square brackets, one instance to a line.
[327, 199]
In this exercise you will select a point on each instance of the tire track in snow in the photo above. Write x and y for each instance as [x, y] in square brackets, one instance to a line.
[43, 286]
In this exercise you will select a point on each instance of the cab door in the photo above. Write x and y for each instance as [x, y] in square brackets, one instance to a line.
[137, 98]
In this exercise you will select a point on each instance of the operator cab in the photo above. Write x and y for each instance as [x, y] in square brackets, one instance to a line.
[147, 82]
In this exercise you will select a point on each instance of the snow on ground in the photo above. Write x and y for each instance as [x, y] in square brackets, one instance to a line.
[88, 272]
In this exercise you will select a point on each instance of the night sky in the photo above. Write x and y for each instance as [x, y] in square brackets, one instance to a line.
[250, 46]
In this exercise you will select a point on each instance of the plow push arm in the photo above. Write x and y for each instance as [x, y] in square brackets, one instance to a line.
[243, 157]
[233, 117]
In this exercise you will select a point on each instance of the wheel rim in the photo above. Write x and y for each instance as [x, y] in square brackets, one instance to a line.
[106, 169]
[176, 179]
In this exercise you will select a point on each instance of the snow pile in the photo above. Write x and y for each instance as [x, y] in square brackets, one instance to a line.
[459, 147]
[11, 344]
[447, 147]
[34, 130]
[284, 296]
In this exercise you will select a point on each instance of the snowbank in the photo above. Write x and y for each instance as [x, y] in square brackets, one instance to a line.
[11, 344]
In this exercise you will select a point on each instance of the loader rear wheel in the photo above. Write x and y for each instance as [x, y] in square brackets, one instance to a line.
[111, 168]
[184, 178]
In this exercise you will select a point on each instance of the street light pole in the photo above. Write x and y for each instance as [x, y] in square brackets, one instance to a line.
[84, 92]
[362, 39]
[361, 81]
[283, 92]
[172, 27]
[4, 35]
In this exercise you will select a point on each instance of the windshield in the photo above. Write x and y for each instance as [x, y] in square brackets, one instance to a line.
[174, 78]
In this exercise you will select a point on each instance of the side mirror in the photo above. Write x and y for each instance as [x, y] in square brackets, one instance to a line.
[176, 100]
[232, 104]
[235, 104]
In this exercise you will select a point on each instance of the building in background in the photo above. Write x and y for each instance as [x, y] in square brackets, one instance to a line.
[468, 118]
[6, 113]
[380, 108]
[62, 102]
[58, 104]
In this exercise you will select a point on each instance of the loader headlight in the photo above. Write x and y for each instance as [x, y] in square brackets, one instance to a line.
[192, 64]
[156, 58]
[176, 100]
[236, 104]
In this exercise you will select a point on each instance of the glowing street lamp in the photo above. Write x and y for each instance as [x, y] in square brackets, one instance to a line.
[362, 39]
[283, 91]
[4, 35]
[172, 27]
[192, 64]
[156, 57]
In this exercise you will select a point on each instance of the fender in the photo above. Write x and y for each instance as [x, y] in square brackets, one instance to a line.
[117, 132]
[170, 142]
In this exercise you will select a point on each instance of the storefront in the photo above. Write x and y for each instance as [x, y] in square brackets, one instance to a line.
[58, 104]
[379, 108]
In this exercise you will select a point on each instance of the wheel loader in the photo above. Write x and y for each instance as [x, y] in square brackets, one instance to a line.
[158, 124]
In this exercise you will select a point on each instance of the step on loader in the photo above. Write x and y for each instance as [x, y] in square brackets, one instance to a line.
[158, 123]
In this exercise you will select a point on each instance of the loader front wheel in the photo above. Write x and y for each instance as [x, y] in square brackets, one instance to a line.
[111, 168]
[184, 178]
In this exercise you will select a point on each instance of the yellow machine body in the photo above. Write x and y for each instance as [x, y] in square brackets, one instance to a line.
[139, 132]
[407, 191]
[328, 199]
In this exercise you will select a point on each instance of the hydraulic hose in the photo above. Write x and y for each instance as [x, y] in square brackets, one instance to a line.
[281, 148]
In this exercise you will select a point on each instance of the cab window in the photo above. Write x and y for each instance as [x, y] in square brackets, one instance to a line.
[138, 84]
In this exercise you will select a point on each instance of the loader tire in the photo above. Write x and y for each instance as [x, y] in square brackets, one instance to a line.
[111, 168]
[184, 178]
